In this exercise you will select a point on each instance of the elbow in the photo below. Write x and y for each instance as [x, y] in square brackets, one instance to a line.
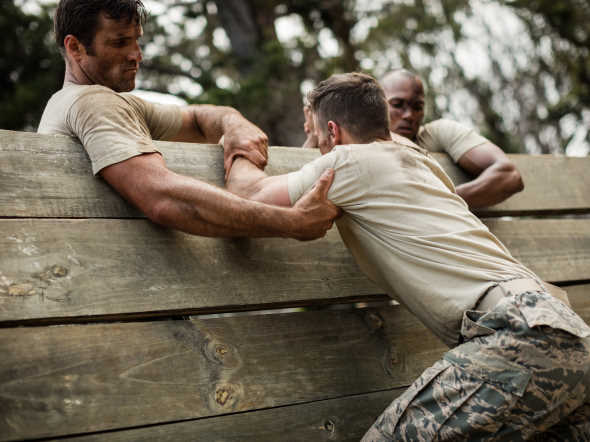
[158, 211]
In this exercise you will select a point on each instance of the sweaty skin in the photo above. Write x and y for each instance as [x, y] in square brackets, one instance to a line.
[177, 201]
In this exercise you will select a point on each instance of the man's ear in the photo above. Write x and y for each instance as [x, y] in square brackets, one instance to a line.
[334, 133]
[74, 48]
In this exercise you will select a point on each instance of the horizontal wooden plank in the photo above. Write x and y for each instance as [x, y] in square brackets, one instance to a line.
[80, 268]
[344, 419]
[553, 185]
[558, 250]
[85, 268]
[59, 183]
[62, 380]
[59, 380]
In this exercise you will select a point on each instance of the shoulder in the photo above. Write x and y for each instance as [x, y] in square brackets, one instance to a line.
[442, 126]
[448, 136]
[70, 101]
[99, 97]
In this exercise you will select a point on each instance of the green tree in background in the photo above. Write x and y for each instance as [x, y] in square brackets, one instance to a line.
[31, 68]
[518, 70]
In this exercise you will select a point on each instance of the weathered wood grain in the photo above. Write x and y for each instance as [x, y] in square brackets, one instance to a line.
[49, 176]
[558, 250]
[56, 268]
[343, 420]
[53, 268]
[83, 268]
[553, 185]
[83, 378]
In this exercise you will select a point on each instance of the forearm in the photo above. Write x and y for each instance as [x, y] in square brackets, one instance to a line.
[247, 181]
[495, 184]
[196, 207]
[199, 208]
[214, 121]
[244, 179]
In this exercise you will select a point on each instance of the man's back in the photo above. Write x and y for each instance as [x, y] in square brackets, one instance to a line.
[410, 232]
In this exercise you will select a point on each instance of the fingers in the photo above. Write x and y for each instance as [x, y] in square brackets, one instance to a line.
[254, 150]
[254, 157]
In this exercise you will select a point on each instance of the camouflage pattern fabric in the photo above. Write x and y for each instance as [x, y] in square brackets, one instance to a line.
[522, 373]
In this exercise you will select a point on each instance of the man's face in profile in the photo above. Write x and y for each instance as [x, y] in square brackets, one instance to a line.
[114, 57]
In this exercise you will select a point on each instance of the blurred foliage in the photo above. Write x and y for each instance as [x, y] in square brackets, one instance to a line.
[31, 69]
[519, 70]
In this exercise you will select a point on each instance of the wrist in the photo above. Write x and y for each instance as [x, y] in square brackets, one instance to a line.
[230, 120]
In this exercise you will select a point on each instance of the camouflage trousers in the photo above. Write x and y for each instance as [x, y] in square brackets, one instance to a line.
[522, 373]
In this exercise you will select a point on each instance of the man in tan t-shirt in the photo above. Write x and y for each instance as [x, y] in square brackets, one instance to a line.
[99, 42]
[495, 176]
[520, 359]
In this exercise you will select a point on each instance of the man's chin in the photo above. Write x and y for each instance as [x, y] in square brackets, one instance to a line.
[127, 86]
[408, 133]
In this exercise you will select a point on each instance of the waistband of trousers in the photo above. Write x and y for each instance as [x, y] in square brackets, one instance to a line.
[506, 288]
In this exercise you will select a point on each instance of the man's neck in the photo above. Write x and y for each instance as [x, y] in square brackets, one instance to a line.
[74, 75]
[383, 138]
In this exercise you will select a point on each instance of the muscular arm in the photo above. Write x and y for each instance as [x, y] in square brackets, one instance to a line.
[496, 176]
[247, 181]
[208, 123]
[196, 207]
[250, 182]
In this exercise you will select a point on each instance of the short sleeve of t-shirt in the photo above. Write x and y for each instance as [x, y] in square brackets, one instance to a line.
[115, 127]
[345, 187]
[163, 120]
[448, 136]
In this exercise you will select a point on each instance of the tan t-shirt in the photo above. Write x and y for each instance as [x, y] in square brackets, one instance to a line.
[448, 136]
[410, 232]
[111, 126]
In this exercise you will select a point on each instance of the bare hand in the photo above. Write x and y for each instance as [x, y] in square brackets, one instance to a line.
[243, 138]
[317, 213]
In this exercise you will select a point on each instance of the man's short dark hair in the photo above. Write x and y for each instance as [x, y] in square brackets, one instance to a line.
[355, 101]
[80, 17]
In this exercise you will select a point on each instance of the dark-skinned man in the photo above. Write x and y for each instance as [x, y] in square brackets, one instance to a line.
[495, 176]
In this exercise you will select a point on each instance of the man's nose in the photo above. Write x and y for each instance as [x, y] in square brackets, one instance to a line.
[135, 54]
[408, 112]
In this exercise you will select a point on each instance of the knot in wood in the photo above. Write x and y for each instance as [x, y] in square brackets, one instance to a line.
[49, 273]
[221, 350]
[227, 395]
[374, 321]
[222, 353]
[329, 426]
[59, 271]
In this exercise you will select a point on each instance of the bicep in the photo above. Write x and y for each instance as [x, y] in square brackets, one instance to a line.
[273, 190]
[189, 130]
[479, 158]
